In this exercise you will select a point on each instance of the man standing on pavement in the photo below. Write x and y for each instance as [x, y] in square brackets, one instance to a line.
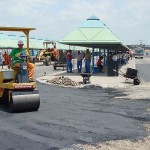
[87, 61]
[79, 61]
[69, 61]
[15, 59]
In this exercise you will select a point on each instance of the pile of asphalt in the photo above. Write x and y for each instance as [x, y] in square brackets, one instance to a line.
[65, 81]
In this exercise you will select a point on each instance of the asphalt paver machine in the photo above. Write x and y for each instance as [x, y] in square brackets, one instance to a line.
[16, 90]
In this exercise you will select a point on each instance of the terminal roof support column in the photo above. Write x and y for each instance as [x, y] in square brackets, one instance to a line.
[92, 59]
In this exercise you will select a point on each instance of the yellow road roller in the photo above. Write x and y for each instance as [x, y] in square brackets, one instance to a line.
[16, 90]
[20, 97]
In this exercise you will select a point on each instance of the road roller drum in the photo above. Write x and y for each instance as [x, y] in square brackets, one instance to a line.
[22, 101]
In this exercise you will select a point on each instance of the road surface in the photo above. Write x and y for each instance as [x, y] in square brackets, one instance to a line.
[68, 117]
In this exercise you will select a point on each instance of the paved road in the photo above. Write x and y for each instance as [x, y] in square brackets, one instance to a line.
[143, 65]
[141, 91]
[41, 69]
[71, 116]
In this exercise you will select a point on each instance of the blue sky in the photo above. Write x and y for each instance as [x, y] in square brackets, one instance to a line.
[53, 19]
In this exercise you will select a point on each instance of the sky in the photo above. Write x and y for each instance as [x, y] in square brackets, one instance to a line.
[129, 20]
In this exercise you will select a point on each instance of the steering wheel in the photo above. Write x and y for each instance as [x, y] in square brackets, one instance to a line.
[22, 55]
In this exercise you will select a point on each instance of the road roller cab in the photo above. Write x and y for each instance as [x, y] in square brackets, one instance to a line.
[16, 90]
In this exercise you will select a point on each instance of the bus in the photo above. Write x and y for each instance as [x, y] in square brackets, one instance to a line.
[139, 52]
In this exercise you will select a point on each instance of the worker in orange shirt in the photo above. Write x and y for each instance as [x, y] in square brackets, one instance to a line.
[6, 58]
[55, 53]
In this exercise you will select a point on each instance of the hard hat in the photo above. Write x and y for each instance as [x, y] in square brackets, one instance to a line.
[20, 42]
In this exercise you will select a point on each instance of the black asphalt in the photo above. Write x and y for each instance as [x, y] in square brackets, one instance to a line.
[70, 116]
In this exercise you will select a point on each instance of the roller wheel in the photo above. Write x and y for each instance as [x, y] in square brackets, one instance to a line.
[136, 81]
[47, 61]
[23, 102]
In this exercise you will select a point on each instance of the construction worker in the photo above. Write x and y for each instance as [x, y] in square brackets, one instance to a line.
[55, 53]
[15, 59]
[6, 58]
[69, 61]
[87, 61]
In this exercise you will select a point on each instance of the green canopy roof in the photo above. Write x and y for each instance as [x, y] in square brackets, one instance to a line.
[10, 41]
[93, 32]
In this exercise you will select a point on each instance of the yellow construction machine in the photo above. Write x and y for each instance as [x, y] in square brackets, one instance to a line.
[15, 88]
[47, 55]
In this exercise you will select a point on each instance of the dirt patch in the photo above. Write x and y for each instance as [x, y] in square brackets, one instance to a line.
[141, 144]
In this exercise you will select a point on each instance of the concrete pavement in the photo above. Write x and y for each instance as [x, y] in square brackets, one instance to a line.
[97, 79]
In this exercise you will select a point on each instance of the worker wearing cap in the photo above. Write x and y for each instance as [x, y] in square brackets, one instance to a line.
[15, 59]
[87, 61]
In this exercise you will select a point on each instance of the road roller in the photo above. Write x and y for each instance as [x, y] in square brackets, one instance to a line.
[17, 91]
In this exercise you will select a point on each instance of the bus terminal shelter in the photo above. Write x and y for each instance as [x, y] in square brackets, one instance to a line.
[94, 34]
